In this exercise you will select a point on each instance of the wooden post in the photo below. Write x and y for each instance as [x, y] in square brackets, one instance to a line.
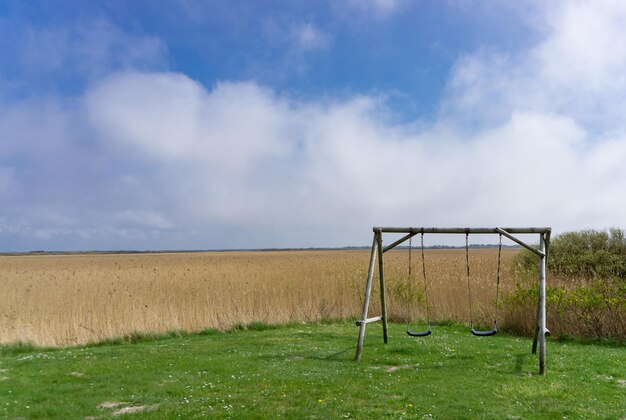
[542, 306]
[366, 300]
[537, 316]
[381, 275]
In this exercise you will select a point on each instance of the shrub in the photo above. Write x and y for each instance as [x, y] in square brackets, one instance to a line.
[587, 254]
[586, 294]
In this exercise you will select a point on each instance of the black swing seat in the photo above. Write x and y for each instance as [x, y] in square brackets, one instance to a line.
[419, 333]
[484, 333]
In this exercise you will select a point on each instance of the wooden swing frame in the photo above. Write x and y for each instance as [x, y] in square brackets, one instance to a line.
[378, 250]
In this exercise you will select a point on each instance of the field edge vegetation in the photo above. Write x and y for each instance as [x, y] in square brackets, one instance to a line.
[586, 293]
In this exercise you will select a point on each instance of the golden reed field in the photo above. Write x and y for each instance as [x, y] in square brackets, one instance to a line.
[60, 300]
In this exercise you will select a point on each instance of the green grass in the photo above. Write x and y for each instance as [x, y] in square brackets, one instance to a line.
[302, 371]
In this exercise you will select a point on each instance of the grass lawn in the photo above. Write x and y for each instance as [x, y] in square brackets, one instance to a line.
[308, 371]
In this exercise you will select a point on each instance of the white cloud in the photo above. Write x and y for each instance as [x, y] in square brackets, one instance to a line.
[170, 117]
[240, 159]
[123, 109]
[144, 218]
[576, 70]
[258, 160]
[157, 160]
[309, 37]
[299, 41]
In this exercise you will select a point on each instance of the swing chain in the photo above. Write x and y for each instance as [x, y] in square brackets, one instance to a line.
[410, 263]
[469, 289]
[408, 329]
[495, 317]
[425, 284]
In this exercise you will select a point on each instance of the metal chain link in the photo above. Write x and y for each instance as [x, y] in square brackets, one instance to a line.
[424, 275]
[410, 263]
[495, 316]
[469, 289]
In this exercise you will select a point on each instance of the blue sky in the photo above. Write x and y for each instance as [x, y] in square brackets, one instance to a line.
[305, 49]
[243, 124]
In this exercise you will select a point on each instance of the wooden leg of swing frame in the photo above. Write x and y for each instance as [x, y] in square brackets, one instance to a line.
[534, 350]
[366, 301]
[543, 331]
[540, 326]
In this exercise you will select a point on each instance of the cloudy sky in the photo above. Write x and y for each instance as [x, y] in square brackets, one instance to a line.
[187, 124]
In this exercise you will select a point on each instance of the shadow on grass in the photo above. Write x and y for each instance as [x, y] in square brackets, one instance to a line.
[337, 356]
[342, 355]
[604, 342]
[22, 347]
[520, 359]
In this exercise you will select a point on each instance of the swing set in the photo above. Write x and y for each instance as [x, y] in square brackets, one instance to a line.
[377, 249]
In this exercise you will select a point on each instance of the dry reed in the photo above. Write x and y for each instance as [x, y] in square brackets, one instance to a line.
[71, 299]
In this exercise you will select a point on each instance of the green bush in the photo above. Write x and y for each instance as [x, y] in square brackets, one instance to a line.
[587, 254]
[586, 293]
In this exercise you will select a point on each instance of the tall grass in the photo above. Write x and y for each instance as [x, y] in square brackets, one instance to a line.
[72, 299]
[446, 293]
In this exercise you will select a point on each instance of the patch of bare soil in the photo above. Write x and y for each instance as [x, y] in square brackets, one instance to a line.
[108, 405]
[391, 369]
[128, 409]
